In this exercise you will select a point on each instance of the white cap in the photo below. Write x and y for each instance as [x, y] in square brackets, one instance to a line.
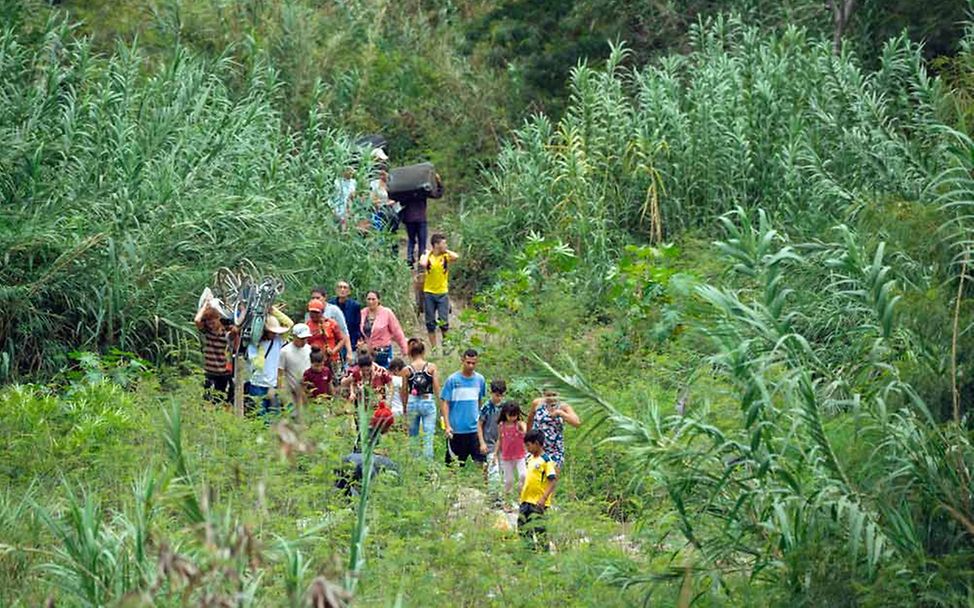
[378, 154]
[301, 330]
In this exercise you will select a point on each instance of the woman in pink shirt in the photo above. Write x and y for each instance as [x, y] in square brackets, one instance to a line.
[380, 328]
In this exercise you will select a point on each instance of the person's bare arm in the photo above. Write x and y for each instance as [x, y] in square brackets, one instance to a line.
[283, 318]
[341, 342]
[534, 407]
[436, 378]
[452, 255]
[198, 319]
[444, 409]
[480, 435]
[404, 390]
[549, 489]
[445, 412]
[567, 413]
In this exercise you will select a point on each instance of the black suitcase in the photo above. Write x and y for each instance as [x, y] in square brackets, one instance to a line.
[415, 180]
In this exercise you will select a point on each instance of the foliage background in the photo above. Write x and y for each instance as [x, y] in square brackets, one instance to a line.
[742, 256]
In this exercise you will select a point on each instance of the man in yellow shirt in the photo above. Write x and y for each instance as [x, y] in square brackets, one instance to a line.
[539, 484]
[436, 285]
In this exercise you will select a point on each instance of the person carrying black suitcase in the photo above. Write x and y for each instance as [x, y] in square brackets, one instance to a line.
[414, 217]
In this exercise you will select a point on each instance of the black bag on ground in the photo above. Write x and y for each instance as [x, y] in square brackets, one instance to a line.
[415, 180]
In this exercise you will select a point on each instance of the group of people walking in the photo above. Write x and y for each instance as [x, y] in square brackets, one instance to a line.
[346, 351]
[342, 350]
[381, 210]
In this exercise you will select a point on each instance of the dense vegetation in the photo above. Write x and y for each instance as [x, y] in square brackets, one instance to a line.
[836, 323]
[743, 256]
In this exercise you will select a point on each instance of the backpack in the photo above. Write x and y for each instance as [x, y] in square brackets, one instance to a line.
[420, 382]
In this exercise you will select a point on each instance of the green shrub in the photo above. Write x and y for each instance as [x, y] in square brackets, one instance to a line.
[644, 154]
[127, 186]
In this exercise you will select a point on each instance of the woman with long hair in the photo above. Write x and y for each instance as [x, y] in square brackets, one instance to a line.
[379, 329]
[421, 385]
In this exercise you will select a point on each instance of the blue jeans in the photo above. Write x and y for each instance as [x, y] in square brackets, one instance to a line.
[416, 241]
[267, 406]
[422, 412]
[383, 356]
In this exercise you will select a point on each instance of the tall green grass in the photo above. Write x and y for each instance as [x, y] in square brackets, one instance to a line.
[833, 481]
[126, 185]
[748, 119]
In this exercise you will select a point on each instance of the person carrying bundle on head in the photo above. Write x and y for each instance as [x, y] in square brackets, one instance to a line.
[216, 338]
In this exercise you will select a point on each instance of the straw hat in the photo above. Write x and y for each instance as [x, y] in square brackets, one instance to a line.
[274, 326]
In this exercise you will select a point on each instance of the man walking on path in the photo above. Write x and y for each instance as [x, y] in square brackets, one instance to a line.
[460, 401]
[414, 216]
[326, 335]
[436, 286]
[330, 310]
[351, 311]
[295, 360]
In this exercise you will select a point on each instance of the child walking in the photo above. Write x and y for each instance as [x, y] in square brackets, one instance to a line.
[317, 378]
[487, 421]
[510, 450]
[539, 485]
[395, 399]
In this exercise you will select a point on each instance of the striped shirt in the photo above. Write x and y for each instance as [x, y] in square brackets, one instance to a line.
[463, 395]
[214, 353]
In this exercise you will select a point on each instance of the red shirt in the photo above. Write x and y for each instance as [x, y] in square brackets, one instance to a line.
[380, 376]
[319, 383]
[382, 419]
[325, 336]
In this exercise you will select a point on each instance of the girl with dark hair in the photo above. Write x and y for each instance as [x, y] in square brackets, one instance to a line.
[510, 444]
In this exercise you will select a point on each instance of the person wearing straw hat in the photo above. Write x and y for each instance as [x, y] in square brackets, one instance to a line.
[263, 359]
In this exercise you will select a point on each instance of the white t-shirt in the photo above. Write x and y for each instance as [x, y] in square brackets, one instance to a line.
[377, 188]
[395, 402]
[294, 362]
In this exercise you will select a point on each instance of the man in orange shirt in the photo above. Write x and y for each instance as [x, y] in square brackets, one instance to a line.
[325, 334]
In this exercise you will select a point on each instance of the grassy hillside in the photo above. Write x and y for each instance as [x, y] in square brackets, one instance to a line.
[743, 257]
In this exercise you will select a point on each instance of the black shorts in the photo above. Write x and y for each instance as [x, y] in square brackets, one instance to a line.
[529, 519]
[463, 446]
[218, 388]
